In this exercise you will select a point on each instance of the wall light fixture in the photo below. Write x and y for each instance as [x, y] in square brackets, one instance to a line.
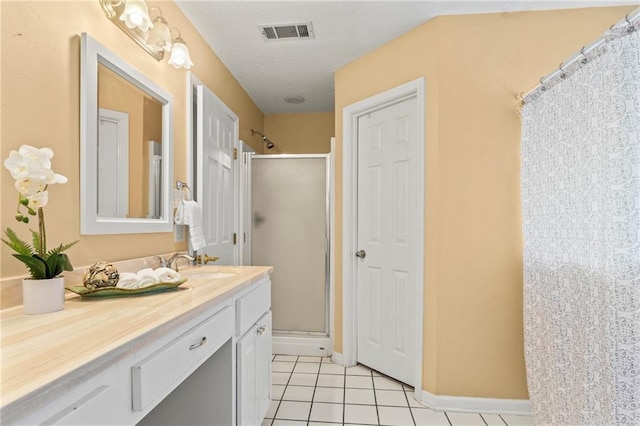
[151, 33]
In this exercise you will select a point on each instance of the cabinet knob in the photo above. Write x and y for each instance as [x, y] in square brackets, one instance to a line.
[200, 343]
[261, 330]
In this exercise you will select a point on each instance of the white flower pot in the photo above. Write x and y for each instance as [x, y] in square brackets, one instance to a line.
[42, 296]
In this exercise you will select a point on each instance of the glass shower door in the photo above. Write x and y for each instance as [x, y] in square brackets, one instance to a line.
[289, 206]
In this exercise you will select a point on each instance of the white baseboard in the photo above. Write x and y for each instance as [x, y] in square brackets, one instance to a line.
[302, 345]
[463, 404]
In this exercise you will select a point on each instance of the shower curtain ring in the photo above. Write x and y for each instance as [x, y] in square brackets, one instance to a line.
[562, 73]
[631, 27]
[584, 58]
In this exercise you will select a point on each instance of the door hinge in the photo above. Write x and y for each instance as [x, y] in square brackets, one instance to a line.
[235, 238]
[235, 153]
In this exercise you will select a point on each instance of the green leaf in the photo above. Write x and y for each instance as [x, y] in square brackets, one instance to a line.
[64, 264]
[36, 240]
[37, 267]
[52, 265]
[48, 271]
[61, 248]
[19, 246]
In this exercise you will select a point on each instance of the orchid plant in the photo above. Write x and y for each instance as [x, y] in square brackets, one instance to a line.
[31, 169]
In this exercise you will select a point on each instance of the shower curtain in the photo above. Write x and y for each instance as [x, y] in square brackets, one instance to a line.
[580, 182]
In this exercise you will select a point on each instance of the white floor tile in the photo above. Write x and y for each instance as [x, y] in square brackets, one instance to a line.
[307, 367]
[413, 402]
[272, 409]
[330, 381]
[293, 410]
[323, 424]
[282, 367]
[358, 370]
[465, 419]
[303, 379]
[324, 412]
[390, 397]
[426, 416]
[386, 384]
[278, 422]
[329, 395]
[266, 422]
[512, 420]
[361, 414]
[279, 378]
[395, 416]
[317, 359]
[326, 359]
[329, 368]
[362, 382]
[298, 393]
[359, 396]
[288, 358]
[277, 391]
[492, 420]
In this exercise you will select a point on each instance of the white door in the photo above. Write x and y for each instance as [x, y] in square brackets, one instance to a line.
[216, 172]
[387, 239]
[113, 157]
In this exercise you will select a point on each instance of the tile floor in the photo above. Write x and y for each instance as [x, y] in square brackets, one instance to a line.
[314, 391]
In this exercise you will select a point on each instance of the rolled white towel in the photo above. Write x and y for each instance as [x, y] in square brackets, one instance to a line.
[146, 277]
[127, 280]
[166, 275]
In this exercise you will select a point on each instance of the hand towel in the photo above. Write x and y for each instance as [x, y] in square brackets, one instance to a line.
[193, 218]
[166, 275]
[179, 216]
[127, 280]
[146, 277]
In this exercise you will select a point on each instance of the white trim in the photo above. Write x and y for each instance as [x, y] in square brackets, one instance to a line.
[332, 240]
[465, 404]
[122, 173]
[350, 116]
[301, 345]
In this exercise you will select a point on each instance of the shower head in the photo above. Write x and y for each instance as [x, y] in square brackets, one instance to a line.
[265, 139]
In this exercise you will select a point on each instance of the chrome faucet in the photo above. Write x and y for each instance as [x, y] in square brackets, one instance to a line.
[172, 262]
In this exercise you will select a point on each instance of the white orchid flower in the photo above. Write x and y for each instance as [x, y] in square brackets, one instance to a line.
[39, 200]
[32, 163]
[42, 155]
[29, 186]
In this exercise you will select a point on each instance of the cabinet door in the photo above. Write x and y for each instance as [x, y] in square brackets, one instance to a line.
[246, 379]
[263, 365]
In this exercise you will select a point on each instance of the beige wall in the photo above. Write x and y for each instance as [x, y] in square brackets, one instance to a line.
[474, 66]
[303, 133]
[40, 81]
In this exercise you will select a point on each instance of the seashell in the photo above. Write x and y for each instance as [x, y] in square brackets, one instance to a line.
[101, 274]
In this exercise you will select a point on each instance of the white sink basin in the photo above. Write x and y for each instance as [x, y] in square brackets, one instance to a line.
[209, 272]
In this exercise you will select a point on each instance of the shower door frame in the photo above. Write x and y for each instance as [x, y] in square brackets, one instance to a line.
[328, 209]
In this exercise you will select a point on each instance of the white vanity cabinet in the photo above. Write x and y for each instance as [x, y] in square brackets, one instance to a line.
[253, 351]
[198, 356]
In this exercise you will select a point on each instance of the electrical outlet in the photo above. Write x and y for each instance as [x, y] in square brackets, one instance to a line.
[178, 233]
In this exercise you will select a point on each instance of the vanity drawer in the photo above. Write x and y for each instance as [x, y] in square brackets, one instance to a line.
[252, 306]
[157, 375]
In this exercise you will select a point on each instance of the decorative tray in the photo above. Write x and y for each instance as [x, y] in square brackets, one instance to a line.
[119, 292]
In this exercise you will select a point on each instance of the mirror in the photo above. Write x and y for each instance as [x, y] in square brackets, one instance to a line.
[126, 147]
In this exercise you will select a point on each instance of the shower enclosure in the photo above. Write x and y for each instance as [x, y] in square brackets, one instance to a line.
[289, 230]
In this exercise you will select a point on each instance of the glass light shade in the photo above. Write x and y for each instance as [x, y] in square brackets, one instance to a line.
[180, 55]
[159, 37]
[136, 15]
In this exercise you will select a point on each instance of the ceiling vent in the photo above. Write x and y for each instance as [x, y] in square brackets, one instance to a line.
[287, 31]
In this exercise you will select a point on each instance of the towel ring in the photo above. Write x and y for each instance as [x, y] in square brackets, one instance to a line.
[181, 186]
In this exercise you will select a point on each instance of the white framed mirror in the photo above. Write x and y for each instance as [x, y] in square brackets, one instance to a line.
[126, 146]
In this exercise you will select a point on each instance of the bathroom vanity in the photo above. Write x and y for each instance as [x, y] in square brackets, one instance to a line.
[197, 355]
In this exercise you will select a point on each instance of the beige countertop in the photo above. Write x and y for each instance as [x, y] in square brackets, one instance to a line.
[38, 350]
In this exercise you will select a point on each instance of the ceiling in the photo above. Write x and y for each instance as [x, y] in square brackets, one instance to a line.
[344, 30]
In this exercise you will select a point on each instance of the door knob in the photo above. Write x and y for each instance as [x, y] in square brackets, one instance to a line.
[361, 254]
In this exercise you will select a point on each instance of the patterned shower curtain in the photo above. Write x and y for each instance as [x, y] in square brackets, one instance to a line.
[581, 224]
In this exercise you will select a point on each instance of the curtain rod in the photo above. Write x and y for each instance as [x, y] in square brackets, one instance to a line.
[627, 20]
